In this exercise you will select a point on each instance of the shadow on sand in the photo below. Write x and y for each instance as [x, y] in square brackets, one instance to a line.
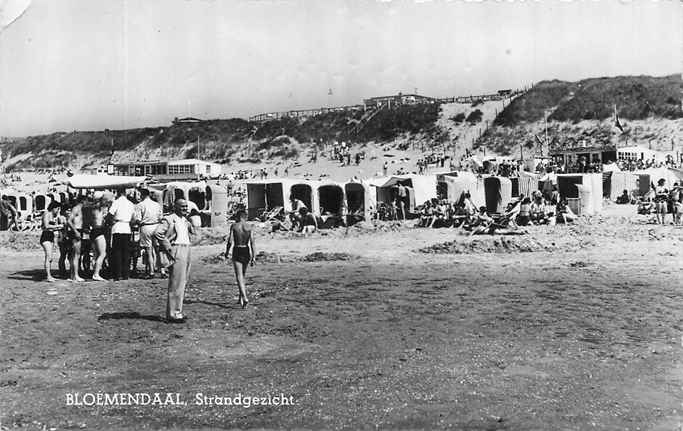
[30, 274]
[215, 304]
[130, 315]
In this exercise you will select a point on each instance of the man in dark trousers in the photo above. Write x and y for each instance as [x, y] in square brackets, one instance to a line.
[121, 215]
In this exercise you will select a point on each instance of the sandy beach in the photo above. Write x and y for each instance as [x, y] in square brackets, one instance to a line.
[569, 327]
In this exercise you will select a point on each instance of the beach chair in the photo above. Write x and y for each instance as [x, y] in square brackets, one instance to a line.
[275, 213]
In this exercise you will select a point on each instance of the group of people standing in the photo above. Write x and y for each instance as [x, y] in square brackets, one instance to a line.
[668, 200]
[113, 226]
[119, 227]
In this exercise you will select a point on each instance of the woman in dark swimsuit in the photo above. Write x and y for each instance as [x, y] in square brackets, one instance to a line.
[242, 253]
[47, 237]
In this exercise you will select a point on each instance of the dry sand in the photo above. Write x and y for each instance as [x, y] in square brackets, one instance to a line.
[365, 331]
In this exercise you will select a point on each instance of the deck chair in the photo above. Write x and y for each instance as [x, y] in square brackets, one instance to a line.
[272, 214]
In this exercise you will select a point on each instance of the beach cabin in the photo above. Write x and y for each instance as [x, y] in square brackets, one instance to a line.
[456, 187]
[194, 192]
[198, 195]
[584, 200]
[302, 191]
[421, 188]
[217, 197]
[498, 192]
[41, 202]
[524, 185]
[620, 181]
[330, 198]
[265, 195]
[387, 192]
[359, 201]
[22, 202]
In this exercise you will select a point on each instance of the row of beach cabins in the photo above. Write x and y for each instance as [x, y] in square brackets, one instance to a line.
[210, 197]
[584, 192]
[365, 196]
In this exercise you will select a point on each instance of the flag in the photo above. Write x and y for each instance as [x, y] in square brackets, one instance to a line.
[617, 124]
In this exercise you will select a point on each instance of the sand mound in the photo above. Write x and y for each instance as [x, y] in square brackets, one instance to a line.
[327, 257]
[267, 257]
[496, 245]
[19, 241]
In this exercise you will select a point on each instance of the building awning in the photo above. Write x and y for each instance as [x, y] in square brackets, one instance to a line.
[104, 181]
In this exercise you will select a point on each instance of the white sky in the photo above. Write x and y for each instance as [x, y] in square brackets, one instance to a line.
[94, 64]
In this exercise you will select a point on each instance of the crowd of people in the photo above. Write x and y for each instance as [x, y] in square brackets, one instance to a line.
[638, 164]
[436, 159]
[536, 209]
[104, 235]
[9, 178]
[661, 200]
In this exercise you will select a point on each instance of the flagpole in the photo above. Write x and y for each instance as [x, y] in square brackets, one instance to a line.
[546, 131]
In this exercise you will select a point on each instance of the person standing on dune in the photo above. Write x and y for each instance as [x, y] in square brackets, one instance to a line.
[243, 253]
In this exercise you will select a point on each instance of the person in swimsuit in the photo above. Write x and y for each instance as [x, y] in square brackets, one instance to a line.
[64, 242]
[74, 233]
[97, 236]
[242, 253]
[47, 238]
[86, 243]
[661, 198]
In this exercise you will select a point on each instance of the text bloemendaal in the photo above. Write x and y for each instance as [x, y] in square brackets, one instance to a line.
[90, 399]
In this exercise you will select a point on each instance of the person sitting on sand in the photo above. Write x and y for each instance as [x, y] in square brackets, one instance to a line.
[295, 215]
[50, 224]
[460, 215]
[481, 219]
[440, 215]
[423, 216]
[645, 205]
[563, 213]
[505, 224]
[431, 213]
[524, 216]
[624, 198]
[537, 210]
[309, 223]
[469, 206]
